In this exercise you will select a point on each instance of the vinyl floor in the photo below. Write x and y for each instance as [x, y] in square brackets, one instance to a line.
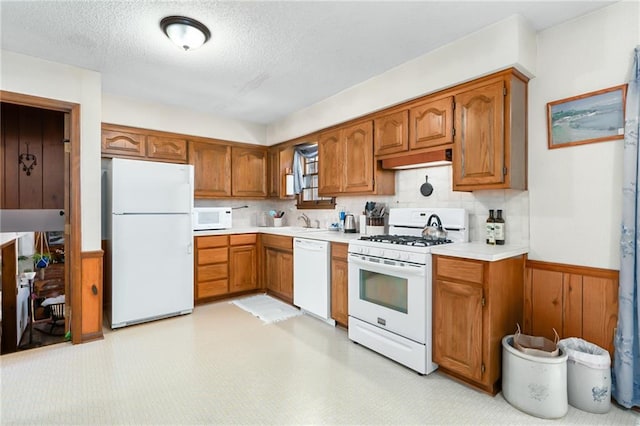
[222, 365]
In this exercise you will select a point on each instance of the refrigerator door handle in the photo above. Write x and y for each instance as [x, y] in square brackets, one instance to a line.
[190, 248]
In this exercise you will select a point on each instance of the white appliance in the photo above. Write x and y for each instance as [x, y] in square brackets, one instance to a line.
[390, 286]
[311, 283]
[209, 218]
[148, 228]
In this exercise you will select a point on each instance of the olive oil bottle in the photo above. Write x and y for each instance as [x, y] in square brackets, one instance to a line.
[499, 229]
[491, 236]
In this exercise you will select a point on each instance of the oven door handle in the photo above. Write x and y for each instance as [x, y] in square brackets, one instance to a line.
[405, 270]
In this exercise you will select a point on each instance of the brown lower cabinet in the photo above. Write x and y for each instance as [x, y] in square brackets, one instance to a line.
[225, 264]
[339, 288]
[277, 252]
[475, 304]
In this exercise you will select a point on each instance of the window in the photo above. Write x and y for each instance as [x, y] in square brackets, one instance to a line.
[308, 197]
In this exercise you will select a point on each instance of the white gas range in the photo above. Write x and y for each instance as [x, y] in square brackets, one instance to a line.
[390, 285]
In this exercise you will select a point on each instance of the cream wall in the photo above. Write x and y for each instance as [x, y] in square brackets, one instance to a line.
[149, 115]
[575, 193]
[37, 77]
[510, 42]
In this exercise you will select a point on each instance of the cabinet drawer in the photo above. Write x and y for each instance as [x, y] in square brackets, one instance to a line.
[459, 269]
[339, 251]
[212, 255]
[212, 288]
[212, 241]
[277, 241]
[212, 272]
[242, 239]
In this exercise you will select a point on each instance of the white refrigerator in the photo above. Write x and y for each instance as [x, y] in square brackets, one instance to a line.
[148, 229]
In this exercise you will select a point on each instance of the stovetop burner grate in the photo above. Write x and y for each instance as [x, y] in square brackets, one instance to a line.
[404, 240]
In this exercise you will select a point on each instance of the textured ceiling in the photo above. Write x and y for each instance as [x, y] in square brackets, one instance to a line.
[265, 59]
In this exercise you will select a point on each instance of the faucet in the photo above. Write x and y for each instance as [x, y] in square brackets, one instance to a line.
[317, 223]
[307, 222]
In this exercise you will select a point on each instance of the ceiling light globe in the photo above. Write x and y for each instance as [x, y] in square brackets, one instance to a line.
[186, 33]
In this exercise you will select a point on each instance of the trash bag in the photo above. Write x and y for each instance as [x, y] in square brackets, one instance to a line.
[585, 353]
[536, 345]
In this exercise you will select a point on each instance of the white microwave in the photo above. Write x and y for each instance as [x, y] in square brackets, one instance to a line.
[207, 218]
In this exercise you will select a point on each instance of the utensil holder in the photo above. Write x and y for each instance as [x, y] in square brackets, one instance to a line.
[277, 221]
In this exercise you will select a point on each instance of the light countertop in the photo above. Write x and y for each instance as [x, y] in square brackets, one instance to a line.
[7, 237]
[475, 250]
[481, 251]
[289, 231]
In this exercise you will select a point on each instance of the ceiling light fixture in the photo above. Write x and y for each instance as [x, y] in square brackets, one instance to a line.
[187, 33]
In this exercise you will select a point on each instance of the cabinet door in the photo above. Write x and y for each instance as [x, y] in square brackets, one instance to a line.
[330, 163]
[271, 270]
[243, 268]
[170, 149]
[457, 328]
[249, 172]
[431, 124]
[285, 272]
[273, 173]
[339, 289]
[212, 169]
[359, 162]
[392, 133]
[123, 144]
[479, 148]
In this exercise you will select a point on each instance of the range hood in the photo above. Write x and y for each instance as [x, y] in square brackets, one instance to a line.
[414, 161]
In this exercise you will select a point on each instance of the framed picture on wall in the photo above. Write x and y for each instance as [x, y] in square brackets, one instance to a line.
[592, 117]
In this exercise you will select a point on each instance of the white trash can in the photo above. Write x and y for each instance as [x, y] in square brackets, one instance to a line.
[588, 375]
[534, 384]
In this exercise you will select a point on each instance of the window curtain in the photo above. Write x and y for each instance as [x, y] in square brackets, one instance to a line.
[300, 152]
[626, 370]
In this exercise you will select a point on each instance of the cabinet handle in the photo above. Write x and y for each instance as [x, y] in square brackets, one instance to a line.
[94, 289]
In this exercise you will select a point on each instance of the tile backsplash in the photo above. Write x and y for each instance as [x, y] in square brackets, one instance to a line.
[514, 204]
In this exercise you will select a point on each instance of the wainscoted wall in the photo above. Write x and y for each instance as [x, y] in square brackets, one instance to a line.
[91, 295]
[575, 301]
[515, 204]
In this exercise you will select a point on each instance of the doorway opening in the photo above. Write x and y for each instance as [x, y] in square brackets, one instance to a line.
[54, 251]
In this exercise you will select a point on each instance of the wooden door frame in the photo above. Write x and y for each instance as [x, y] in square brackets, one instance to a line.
[71, 193]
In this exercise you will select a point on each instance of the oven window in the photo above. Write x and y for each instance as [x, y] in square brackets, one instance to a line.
[384, 290]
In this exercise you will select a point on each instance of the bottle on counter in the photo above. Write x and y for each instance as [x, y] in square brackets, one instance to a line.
[499, 228]
[491, 236]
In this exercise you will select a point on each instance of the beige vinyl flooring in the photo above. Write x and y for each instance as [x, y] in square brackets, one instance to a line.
[221, 365]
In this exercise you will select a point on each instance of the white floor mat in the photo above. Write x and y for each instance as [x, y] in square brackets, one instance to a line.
[267, 308]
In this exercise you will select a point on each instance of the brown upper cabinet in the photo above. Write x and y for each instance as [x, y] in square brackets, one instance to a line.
[490, 144]
[273, 172]
[482, 121]
[279, 163]
[347, 165]
[166, 149]
[392, 133]
[420, 127]
[431, 124]
[249, 172]
[142, 144]
[212, 169]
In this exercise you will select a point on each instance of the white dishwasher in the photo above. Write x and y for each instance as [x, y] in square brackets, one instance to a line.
[311, 277]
